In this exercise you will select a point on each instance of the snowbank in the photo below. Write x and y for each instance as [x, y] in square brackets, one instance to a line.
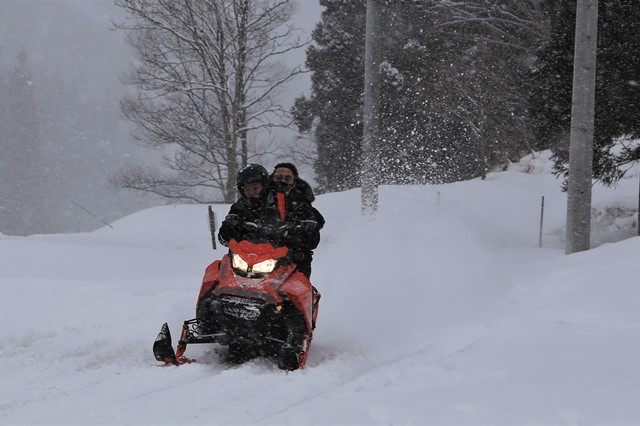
[441, 311]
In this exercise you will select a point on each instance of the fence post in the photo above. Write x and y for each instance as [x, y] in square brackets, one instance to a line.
[541, 222]
[212, 227]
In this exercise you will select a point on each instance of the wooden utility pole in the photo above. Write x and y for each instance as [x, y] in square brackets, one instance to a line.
[582, 117]
[372, 58]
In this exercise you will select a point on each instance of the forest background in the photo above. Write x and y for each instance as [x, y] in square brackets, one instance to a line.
[468, 87]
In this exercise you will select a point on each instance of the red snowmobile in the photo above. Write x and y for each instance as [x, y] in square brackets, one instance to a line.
[254, 302]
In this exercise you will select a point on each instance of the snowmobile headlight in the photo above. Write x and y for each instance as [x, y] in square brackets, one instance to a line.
[239, 263]
[265, 266]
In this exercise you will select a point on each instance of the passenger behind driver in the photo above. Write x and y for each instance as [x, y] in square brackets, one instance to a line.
[298, 196]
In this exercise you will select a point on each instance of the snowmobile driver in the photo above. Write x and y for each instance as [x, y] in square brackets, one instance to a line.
[263, 214]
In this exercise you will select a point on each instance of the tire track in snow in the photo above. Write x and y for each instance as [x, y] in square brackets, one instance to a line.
[219, 367]
[475, 334]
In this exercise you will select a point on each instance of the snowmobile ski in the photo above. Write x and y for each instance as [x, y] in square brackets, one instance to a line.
[163, 349]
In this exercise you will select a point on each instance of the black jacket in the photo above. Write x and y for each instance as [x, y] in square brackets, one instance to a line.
[258, 220]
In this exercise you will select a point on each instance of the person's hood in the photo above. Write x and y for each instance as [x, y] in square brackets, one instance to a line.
[305, 189]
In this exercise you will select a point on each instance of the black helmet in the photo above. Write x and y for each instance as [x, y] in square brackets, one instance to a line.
[252, 173]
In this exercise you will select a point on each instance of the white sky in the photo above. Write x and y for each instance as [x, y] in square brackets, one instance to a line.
[77, 62]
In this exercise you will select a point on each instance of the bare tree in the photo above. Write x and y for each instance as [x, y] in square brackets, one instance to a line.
[207, 76]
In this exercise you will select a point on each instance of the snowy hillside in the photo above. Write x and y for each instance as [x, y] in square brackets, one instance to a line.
[441, 311]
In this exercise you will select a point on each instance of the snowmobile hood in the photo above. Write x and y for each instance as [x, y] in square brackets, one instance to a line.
[254, 253]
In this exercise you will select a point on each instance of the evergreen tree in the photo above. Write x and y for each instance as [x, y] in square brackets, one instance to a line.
[453, 79]
[337, 62]
[463, 70]
[617, 85]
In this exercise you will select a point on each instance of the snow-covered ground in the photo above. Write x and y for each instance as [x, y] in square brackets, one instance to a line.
[441, 311]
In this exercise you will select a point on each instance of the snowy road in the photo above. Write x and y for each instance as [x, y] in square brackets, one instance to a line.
[445, 313]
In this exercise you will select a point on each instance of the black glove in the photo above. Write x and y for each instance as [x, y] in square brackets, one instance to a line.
[232, 220]
[308, 226]
[251, 226]
[292, 241]
[288, 234]
[286, 229]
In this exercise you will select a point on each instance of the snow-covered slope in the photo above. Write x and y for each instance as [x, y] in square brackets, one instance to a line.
[441, 311]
